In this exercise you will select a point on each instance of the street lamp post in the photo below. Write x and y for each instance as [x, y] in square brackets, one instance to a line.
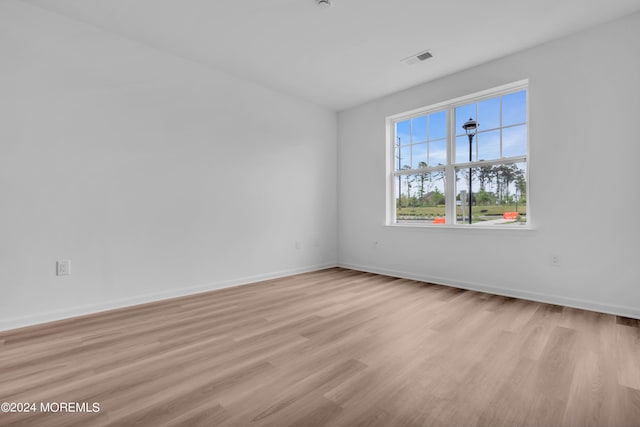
[470, 127]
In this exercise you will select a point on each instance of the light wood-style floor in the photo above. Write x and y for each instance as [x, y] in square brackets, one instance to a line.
[330, 348]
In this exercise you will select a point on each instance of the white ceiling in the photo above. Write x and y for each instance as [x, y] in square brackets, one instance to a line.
[347, 54]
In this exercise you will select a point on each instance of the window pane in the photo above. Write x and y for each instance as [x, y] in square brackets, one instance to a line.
[462, 193]
[514, 141]
[488, 145]
[404, 161]
[499, 194]
[422, 198]
[489, 114]
[424, 142]
[403, 132]
[463, 113]
[437, 152]
[462, 149]
[438, 125]
[418, 156]
[419, 129]
[514, 108]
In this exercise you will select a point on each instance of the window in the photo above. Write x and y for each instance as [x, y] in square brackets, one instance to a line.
[441, 174]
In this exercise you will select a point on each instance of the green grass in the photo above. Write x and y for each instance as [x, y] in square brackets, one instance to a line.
[496, 211]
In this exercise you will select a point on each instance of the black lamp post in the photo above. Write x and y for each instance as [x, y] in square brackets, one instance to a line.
[470, 127]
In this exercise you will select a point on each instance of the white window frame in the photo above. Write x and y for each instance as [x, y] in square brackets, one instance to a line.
[451, 167]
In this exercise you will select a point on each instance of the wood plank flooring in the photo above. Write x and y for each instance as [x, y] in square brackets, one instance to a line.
[330, 348]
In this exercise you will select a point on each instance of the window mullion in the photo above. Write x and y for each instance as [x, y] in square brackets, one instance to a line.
[450, 174]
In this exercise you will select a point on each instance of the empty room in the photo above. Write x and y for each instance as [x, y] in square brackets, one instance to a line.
[319, 213]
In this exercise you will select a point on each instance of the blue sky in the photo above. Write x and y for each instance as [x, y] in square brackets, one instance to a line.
[424, 138]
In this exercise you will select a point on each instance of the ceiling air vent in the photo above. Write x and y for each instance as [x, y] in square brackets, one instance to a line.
[418, 57]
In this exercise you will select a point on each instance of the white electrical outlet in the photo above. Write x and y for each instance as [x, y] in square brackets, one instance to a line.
[63, 268]
[298, 245]
[555, 260]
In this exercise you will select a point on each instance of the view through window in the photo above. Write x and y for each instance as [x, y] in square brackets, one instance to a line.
[444, 174]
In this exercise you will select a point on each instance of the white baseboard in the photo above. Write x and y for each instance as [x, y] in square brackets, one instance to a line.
[19, 322]
[617, 310]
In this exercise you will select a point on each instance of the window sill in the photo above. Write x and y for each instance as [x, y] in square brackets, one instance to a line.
[527, 227]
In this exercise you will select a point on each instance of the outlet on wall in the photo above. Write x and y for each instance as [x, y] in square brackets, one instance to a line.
[63, 268]
[555, 260]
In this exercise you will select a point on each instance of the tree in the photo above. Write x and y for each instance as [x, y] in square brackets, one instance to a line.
[483, 198]
[436, 197]
[484, 175]
[408, 181]
[521, 184]
[505, 175]
[423, 178]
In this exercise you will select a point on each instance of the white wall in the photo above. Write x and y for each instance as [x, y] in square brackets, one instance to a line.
[158, 177]
[585, 149]
[153, 175]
